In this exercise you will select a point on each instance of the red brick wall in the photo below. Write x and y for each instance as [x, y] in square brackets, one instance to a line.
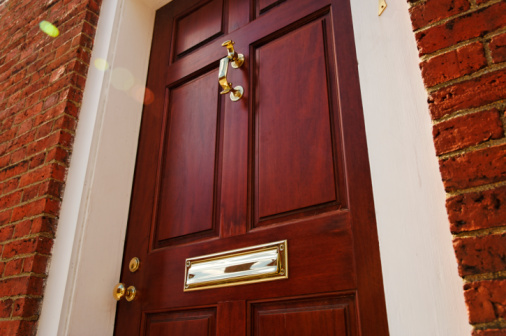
[462, 45]
[41, 85]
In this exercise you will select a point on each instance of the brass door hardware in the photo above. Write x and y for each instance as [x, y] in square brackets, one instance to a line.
[382, 7]
[134, 264]
[120, 290]
[252, 264]
[236, 61]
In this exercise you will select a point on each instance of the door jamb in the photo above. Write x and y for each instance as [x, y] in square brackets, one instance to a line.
[88, 249]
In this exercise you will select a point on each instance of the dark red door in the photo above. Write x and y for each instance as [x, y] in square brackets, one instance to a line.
[288, 161]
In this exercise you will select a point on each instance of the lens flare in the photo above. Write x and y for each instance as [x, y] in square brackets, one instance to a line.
[143, 95]
[122, 79]
[49, 28]
[101, 64]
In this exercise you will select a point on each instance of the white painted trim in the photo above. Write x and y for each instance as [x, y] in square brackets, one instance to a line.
[423, 291]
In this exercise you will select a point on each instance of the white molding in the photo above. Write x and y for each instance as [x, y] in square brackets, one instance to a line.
[423, 291]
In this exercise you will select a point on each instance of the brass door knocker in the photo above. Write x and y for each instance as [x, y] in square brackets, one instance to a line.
[236, 61]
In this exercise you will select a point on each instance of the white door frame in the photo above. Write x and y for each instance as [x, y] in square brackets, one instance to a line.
[423, 291]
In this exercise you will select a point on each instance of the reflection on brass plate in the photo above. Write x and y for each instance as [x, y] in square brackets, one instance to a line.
[259, 263]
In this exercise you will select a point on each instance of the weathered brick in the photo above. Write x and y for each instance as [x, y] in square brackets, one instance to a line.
[25, 307]
[475, 24]
[477, 210]
[435, 10]
[6, 233]
[490, 332]
[43, 224]
[486, 300]
[468, 94]
[483, 254]
[35, 264]
[22, 229]
[474, 168]
[16, 327]
[13, 267]
[19, 286]
[26, 246]
[5, 308]
[498, 48]
[453, 64]
[34, 208]
[468, 130]
[10, 200]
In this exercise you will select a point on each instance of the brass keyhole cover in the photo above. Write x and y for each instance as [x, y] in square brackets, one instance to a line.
[134, 264]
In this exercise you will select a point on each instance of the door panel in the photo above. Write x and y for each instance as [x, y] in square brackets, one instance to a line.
[200, 322]
[189, 34]
[315, 316]
[294, 142]
[186, 199]
[287, 161]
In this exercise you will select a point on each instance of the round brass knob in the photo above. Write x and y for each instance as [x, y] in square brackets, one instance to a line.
[120, 290]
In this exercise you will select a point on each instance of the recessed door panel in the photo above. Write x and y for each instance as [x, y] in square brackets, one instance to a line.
[187, 185]
[294, 153]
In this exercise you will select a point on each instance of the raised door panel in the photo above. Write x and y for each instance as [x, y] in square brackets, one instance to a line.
[328, 316]
[262, 6]
[198, 26]
[200, 322]
[187, 181]
[296, 162]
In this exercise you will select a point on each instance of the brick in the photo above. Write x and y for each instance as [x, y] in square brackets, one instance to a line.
[5, 308]
[34, 208]
[10, 200]
[477, 210]
[453, 64]
[468, 130]
[472, 25]
[26, 246]
[18, 155]
[5, 216]
[474, 168]
[22, 229]
[6, 233]
[25, 307]
[17, 327]
[19, 286]
[497, 48]
[486, 300]
[37, 160]
[490, 332]
[13, 267]
[483, 254]
[468, 94]
[43, 224]
[13, 170]
[35, 264]
[435, 10]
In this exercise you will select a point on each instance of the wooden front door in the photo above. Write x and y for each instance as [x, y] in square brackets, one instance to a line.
[288, 161]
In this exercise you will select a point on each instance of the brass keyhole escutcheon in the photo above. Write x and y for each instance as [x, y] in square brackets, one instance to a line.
[134, 264]
[120, 290]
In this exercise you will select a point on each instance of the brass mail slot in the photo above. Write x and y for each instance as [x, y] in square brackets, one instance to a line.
[253, 264]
